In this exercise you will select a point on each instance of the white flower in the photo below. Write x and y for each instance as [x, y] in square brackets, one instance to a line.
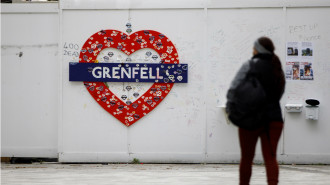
[130, 118]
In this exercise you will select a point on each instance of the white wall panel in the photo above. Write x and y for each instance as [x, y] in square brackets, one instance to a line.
[176, 126]
[307, 136]
[231, 34]
[29, 85]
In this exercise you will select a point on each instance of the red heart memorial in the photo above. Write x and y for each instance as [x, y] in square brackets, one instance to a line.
[117, 69]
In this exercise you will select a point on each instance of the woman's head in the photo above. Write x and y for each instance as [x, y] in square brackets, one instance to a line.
[263, 45]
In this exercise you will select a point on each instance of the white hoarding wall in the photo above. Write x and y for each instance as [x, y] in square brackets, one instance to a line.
[188, 126]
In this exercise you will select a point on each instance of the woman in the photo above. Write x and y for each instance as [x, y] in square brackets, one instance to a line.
[270, 74]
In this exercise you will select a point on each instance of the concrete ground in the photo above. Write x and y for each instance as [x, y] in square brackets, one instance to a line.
[154, 174]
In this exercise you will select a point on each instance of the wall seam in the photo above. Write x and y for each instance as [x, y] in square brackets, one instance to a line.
[283, 109]
[60, 87]
[205, 80]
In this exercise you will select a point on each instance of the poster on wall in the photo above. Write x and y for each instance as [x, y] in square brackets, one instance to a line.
[292, 71]
[307, 51]
[128, 75]
[306, 71]
[299, 61]
[292, 49]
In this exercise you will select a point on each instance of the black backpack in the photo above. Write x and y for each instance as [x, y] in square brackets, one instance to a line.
[246, 102]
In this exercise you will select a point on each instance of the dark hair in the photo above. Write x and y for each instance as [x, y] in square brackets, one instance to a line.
[276, 63]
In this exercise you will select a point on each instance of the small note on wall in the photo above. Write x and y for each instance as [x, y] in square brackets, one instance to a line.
[299, 61]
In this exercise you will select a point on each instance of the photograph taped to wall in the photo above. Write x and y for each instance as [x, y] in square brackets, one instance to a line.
[292, 71]
[292, 51]
[307, 51]
[306, 71]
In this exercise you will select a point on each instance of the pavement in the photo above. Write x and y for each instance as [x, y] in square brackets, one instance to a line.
[154, 174]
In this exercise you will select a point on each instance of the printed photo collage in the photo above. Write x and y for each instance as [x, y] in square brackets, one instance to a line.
[299, 61]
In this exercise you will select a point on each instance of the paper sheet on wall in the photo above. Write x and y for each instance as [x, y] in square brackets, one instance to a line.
[292, 51]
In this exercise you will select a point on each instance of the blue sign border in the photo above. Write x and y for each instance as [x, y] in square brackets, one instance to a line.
[128, 72]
